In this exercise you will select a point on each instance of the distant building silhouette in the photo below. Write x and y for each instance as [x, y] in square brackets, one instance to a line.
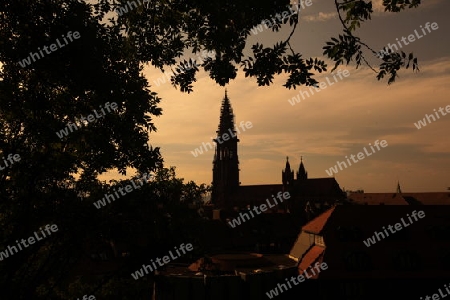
[399, 198]
[307, 194]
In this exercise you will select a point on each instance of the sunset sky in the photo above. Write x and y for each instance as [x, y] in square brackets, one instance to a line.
[337, 121]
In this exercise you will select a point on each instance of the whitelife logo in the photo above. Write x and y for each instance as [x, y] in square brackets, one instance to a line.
[90, 118]
[262, 207]
[436, 296]
[411, 38]
[293, 9]
[423, 122]
[224, 136]
[31, 240]
[124, 10]
[85, 297]
[398, 227]
[10, 158]
[322, 85]
[166, 259]
[128, 189]
[360, 156]
[53, 47]
[297, 280]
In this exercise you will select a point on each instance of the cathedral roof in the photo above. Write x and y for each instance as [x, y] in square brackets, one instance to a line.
[257, 193]
[319, 187]
[323, 188]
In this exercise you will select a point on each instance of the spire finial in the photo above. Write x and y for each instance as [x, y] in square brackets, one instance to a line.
[287, 158]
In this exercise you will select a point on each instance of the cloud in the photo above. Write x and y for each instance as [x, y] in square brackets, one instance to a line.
[377, 5]
[320, 17]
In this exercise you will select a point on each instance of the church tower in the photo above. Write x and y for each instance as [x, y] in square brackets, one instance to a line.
[226, 163]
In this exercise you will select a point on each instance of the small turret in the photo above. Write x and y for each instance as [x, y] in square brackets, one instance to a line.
[287, 175]
[302, 174]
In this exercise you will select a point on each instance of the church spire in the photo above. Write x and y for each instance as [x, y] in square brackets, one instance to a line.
[302, 174]
[399, 190]
[226, 162]
[226, 123]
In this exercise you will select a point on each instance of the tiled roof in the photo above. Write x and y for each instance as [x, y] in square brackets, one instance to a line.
[314, 254]
[320, 187]
[316, 225]
[323, 188]
[246, 262]
[256, 194]
[346, 227]
[378, 198]
[438, 198]
[274, 227]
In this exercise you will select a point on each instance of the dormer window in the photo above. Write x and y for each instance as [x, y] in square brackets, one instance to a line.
[318, 240]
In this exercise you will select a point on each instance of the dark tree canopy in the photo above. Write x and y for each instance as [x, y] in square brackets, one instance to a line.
[224, 27]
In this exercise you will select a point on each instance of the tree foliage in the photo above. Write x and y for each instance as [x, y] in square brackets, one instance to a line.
[193, 26]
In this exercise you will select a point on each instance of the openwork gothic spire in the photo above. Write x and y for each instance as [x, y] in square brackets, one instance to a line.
[226, 162]
[226, 117]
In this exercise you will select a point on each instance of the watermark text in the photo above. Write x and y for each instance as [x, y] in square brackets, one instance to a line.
[360, 155]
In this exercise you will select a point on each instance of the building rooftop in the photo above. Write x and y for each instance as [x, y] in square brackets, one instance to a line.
[431, 198]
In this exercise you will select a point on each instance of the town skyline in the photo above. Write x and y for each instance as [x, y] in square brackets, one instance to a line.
[337, 120]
